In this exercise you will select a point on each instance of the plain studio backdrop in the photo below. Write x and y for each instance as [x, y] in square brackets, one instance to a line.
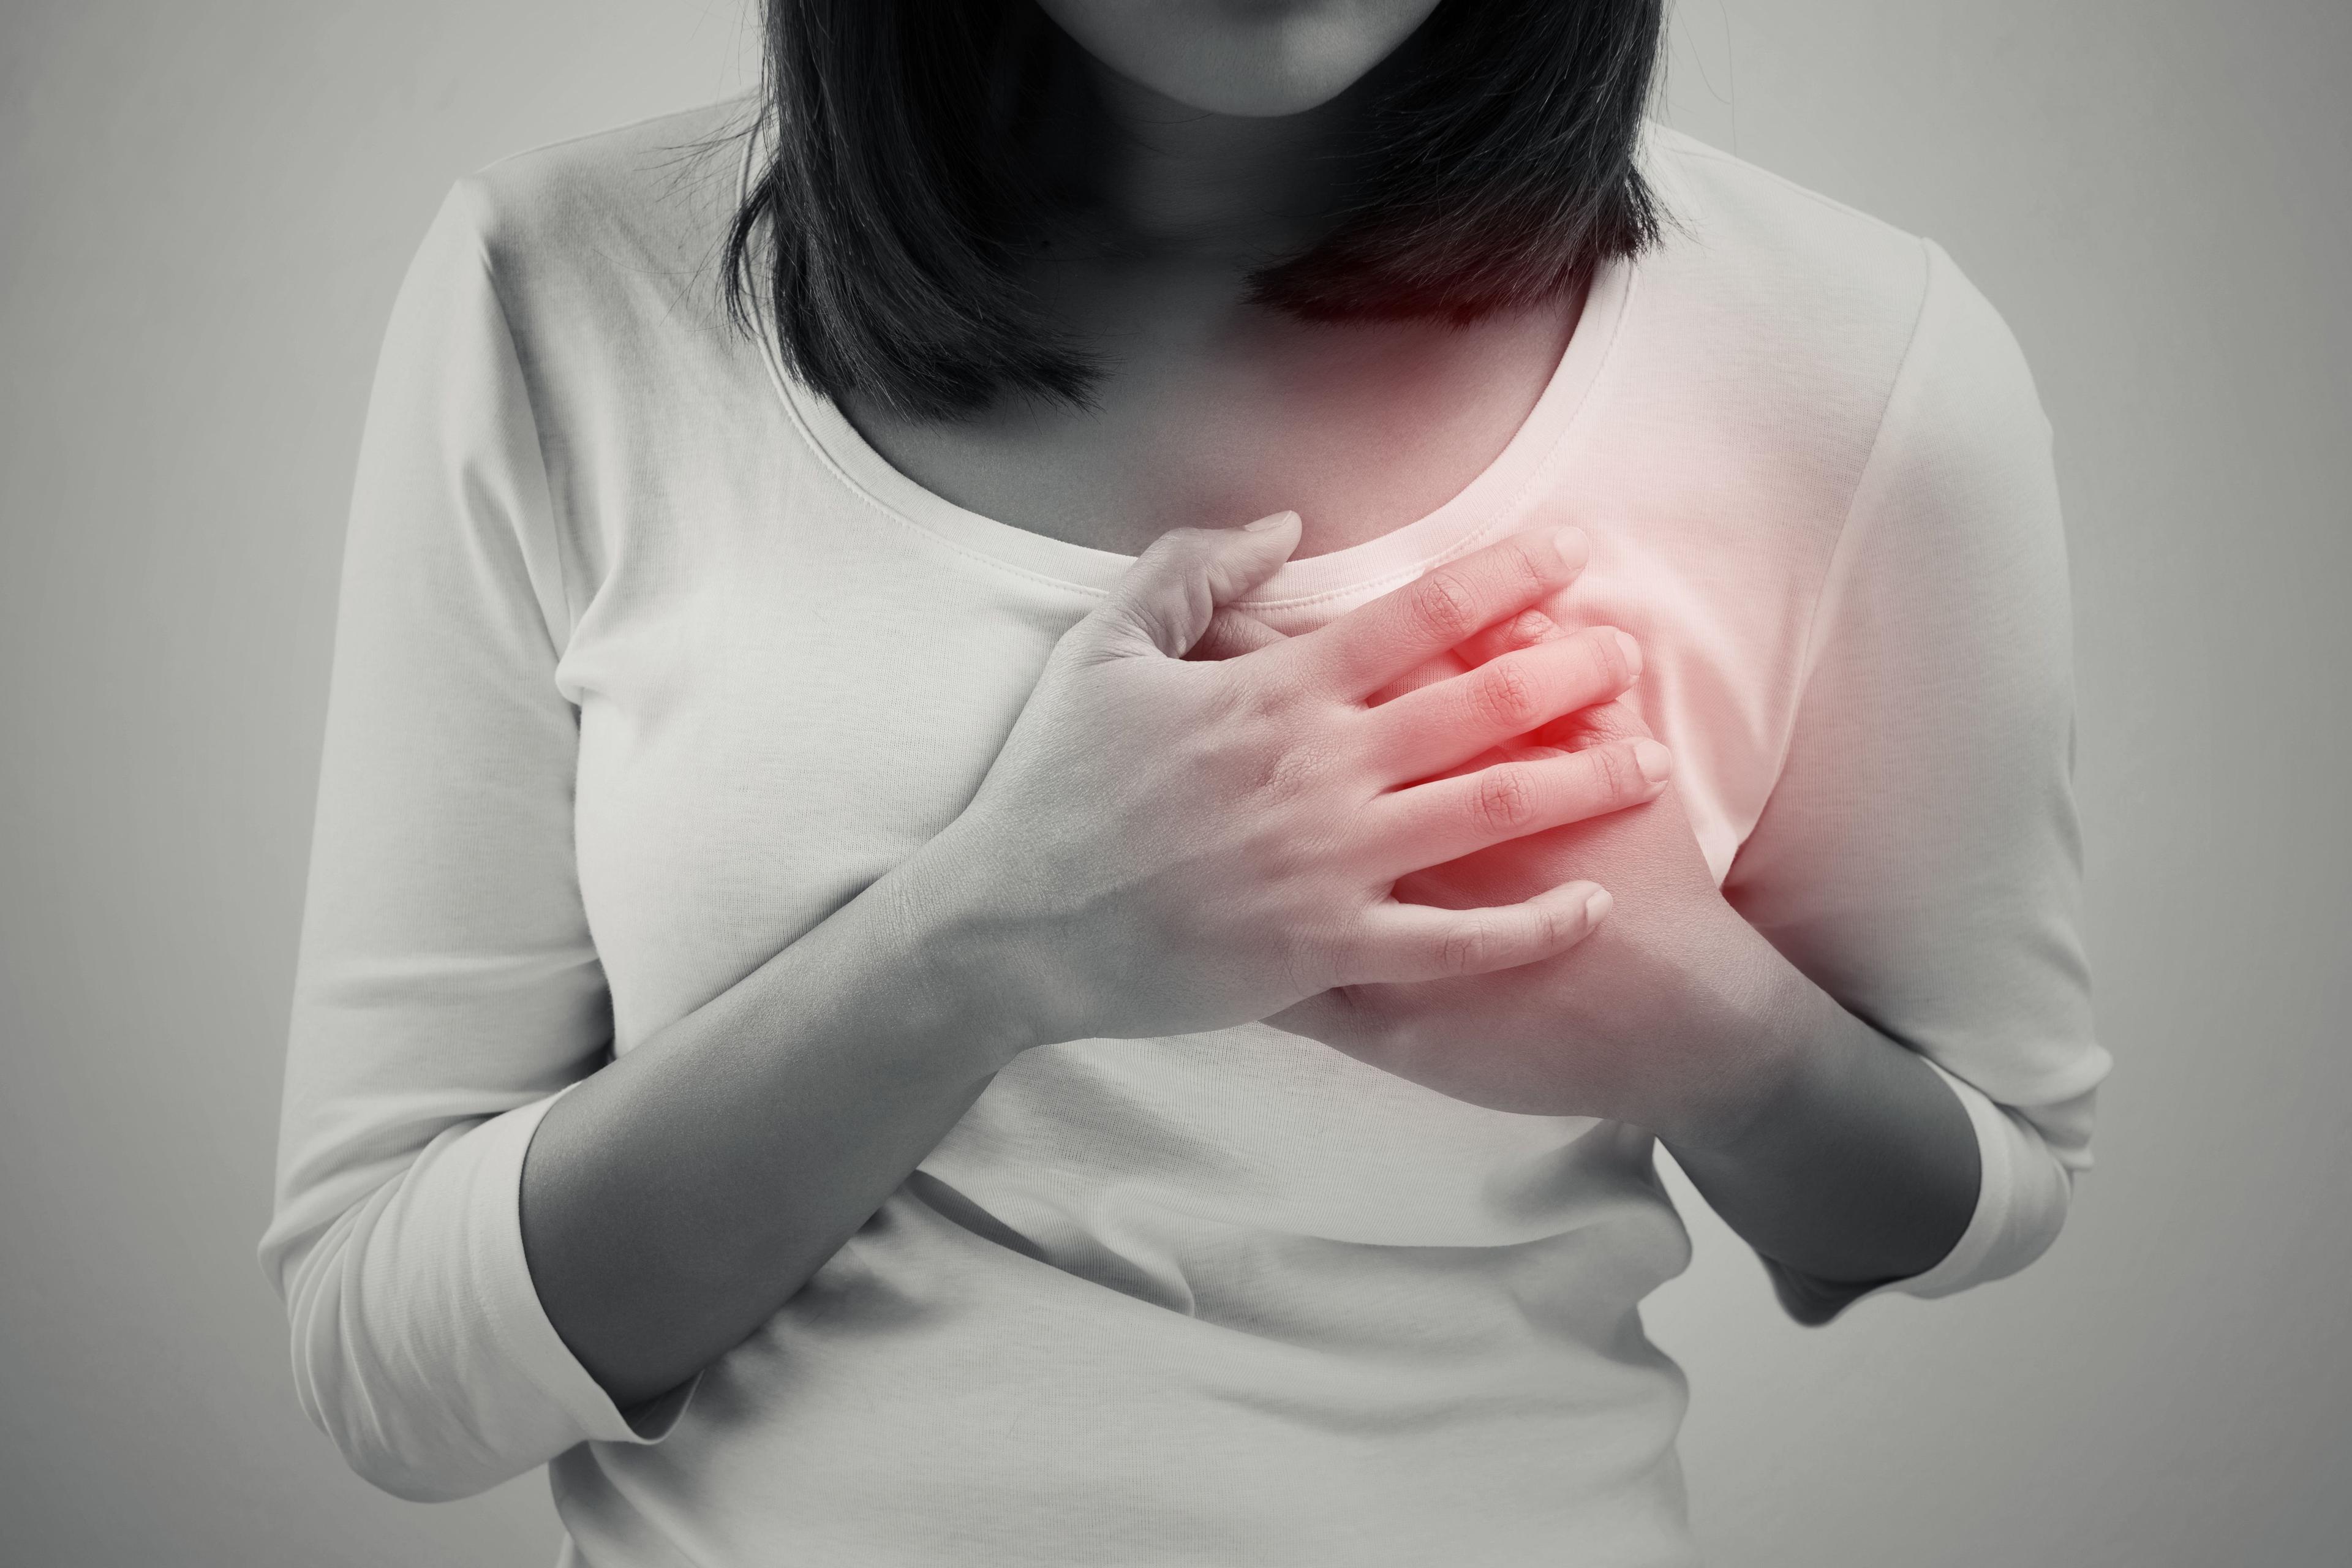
[203, 213]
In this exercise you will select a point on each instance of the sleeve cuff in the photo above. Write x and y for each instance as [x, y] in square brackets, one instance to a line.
[1973, 1258]
[511, 1301]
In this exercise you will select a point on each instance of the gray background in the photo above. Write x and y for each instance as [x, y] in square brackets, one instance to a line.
[203, 212]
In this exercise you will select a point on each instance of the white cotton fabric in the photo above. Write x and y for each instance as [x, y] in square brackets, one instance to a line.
[646, 662]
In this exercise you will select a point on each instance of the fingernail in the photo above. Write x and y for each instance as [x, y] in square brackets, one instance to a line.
[1632, 651]
[1268, 524]
[1654, 760]
[1597, 907]
[1574, 548]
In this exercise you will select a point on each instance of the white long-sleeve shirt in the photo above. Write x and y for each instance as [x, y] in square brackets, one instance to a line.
[647, 661]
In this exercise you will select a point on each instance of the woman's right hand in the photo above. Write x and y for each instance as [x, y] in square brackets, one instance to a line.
[1165, 847]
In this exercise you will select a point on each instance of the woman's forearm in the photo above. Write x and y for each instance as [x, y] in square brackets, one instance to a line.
[1857, 1163]
[675, 1200]
[1101, 881]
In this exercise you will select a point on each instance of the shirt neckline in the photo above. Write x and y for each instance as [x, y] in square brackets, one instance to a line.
[1493, 504]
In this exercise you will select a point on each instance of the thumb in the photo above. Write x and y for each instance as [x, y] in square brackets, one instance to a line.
[1167, 597]
[1233, 633]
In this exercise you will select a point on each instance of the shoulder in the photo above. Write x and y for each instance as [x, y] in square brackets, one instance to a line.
[569, 300]
[1845, 326]
[1745, 238]
[1723, 202]
[602, 227]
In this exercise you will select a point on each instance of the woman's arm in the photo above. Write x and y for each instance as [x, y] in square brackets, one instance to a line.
[1851, 1159]
[449, 1006]
[1828, 1146]
[1873, 1048]
[1920, 858]
[674, 1200]
[1143, 807]
[447, 985]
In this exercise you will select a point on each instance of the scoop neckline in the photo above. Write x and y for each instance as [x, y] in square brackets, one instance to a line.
[1489, 507]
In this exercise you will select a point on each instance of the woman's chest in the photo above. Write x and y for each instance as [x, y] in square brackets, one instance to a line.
[1359, 429]
[767, 728]
[774, 716]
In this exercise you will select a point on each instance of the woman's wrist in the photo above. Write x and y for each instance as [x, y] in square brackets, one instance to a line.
[1829, 1146]
[1861, 1167]
[962, 957]
[1749, 1030]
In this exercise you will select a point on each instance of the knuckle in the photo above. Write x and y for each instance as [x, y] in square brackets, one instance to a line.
[1614, 771]
[1444, 608]
[1286, 776]
[1304, 964]
[1224, 636]
[1529, 569]
[1464, 948]
[1503, 798]
[1506, 695]
[1171, 547]
[1200, 600]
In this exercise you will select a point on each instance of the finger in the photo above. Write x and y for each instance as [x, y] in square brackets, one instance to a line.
[1371, 645]
[1437, 667]
[1165, 601]
[1432, 823]
[1404, 942]
[1233, 633]
[1524, 629]
[1616, 719]
[1429, 731]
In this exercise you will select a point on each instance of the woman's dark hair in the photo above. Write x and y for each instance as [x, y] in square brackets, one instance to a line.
[906, 182]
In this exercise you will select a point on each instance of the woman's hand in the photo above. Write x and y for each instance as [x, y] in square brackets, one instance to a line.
[1655, 1020]
[1164, 845]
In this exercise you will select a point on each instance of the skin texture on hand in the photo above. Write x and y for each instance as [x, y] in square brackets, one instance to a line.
[1831, 1149]
[1165, 845]
[1642, 1022]
[1146, 855]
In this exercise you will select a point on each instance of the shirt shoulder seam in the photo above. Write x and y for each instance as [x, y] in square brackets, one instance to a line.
[1690, 146]
[1842, 552]
[556, 646]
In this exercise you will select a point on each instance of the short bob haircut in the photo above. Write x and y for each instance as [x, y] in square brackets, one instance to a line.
[907, 177]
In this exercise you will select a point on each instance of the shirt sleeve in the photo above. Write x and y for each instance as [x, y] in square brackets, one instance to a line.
[1919, 856]
[447, 989]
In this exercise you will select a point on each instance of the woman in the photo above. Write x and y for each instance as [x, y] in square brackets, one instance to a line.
[882, 984]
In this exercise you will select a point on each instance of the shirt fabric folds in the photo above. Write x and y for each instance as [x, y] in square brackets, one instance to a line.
[646, 662]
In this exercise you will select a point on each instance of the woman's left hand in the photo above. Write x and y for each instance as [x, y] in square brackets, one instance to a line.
[1658, 1018]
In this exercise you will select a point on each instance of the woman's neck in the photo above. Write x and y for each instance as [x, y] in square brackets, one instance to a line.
[1172, 183]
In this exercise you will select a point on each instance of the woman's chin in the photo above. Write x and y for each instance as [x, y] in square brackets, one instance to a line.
[1255, 61]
